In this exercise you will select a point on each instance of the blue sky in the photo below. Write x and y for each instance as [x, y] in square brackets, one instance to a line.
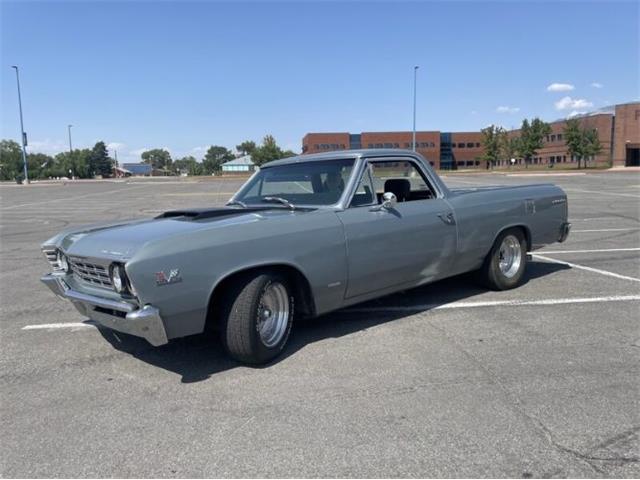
[187, 75]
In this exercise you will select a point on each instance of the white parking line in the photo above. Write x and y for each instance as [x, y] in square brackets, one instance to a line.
[498, 303]
[48, 326]
[72, 198]
[606, 230]
[631, 195]
[588, 269]
[603, 250]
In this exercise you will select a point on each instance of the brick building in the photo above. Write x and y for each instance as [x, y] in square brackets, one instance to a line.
[618, 130]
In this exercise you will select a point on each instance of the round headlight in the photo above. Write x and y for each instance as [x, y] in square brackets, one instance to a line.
[118, 278]
[63, 264]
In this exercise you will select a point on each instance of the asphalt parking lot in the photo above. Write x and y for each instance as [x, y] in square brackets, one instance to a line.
[448, 380]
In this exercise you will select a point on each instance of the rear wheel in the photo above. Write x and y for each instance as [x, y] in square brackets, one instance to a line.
[506, 262]
[258, 317]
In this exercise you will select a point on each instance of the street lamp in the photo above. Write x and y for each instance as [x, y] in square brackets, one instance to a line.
[69, 131]
[415, 76]
[23, 134]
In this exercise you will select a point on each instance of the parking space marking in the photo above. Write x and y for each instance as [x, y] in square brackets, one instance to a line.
[411, 308]
[72, 198]
[497, 303]
[606, 230]
[588, 269]
[601, 250]
[48, 326]
[631, 195]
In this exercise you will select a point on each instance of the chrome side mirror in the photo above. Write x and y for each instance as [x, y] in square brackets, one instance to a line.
[389, 202]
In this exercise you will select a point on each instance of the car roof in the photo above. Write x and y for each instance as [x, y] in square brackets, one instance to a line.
[342, 154]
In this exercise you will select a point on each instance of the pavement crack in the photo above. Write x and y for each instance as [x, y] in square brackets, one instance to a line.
[516, 405]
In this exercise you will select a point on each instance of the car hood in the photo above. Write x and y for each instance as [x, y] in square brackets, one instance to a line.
[121, 240]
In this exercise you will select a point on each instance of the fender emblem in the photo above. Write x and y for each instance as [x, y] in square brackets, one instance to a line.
[164, 279]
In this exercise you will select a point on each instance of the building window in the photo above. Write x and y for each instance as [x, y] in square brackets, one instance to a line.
[477, 144]
[460, 145]
[559, 137]
[469, 145]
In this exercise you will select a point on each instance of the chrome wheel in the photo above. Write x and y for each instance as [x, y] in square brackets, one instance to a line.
[510, 256]
[273, 314]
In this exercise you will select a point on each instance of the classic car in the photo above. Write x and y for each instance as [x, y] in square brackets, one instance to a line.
[302, 237]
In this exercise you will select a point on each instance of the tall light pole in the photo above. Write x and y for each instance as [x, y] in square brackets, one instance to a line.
[415, 77]
[22, 133]
[69, 131]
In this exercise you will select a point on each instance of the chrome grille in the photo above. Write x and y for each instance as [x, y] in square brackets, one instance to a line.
[91, 273]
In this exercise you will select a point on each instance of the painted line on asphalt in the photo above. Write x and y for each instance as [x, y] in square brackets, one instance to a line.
[414, 308]
[72, 198]
[48, 326]
[498, 303]
[602, 193]
[606, 230]
[588, 269]
[602, 250]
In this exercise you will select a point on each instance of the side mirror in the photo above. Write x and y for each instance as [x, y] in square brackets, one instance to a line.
[389, 202]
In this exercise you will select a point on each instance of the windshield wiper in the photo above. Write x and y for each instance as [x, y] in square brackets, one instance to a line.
[281, 200]
[236, 202]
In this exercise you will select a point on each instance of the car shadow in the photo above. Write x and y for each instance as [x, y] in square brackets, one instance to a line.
[198, 357]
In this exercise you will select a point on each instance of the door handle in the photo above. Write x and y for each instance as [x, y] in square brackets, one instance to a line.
[447, 218]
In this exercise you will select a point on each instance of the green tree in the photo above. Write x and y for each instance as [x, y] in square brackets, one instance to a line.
[158, 158]
[268, 151]
[592, 147]
[99, 161]
[532, 138]
[10, 160]
[247, 147]
[75, 164]
[214, 158]
[39, 165]
[508, 147]
[582, 143]
[492, 138]
[187, 165]
[573, 139]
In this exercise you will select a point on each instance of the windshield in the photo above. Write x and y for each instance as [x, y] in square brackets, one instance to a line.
[310, 183]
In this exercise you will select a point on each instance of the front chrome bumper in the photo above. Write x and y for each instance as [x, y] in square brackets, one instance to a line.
[122, 316]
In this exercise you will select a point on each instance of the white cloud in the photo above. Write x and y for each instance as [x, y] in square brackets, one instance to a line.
[560, 87]
[48, 146]
[575, 113]
[567, 103]
[115, 146]
[597, 85]
[507, 109]
[139, 151]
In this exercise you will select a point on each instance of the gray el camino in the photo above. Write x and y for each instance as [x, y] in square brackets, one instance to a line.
[304, 236]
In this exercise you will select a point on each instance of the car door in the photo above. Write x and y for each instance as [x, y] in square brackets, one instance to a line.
[412, 243]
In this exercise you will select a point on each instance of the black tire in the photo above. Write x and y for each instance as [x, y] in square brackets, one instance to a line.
[240, 317]
[491, 275]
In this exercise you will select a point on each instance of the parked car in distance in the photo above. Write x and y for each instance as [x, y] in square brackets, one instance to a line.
[302, 237]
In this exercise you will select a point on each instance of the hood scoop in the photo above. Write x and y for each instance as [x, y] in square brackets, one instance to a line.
[195, 214]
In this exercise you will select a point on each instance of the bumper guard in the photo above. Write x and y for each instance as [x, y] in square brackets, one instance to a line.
[128, 318]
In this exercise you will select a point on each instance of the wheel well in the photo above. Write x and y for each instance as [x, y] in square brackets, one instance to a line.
[303, 296]
[524, 229]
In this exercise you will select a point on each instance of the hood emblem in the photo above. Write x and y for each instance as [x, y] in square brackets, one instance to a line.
[164, 279]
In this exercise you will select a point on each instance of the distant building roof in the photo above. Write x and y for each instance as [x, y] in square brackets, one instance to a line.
[245, 160]
[138, 168]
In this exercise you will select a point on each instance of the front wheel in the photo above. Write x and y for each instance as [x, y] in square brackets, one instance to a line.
[258, 317]
[505, 264]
